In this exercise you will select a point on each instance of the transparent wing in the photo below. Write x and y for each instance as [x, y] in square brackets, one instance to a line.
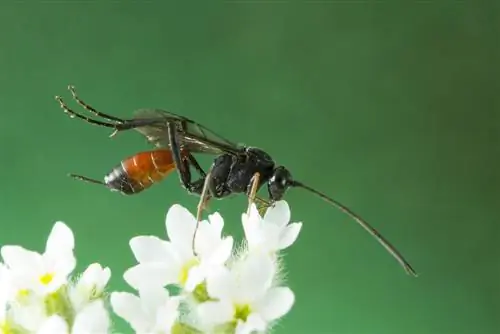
[192, 136]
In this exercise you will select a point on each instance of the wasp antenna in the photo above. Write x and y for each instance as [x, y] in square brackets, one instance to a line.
[383, 241]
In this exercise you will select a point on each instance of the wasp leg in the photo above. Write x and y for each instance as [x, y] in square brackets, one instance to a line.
[91, 109]
[182, 164]
[262, 205]
[201, 205]
[124, 125]
[254, 185]
[196, 165]
[74, 114]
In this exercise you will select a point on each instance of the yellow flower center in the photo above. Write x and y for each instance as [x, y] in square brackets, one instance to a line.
[23, 293]
[5, 328]
[241, 312]
[46, 278]
[183, 274]
[22, 297]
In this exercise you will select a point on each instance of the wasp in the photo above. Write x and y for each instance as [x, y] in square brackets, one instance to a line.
[236, 169]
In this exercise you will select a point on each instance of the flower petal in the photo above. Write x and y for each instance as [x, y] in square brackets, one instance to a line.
[60, 239]
[19, 258]
[222, 252]
[220, 283]
[255, 274]
[6, 289]
[57, 281]
[217, 223]
[271, 237]
[278, 214]
[153, 297]
[62, 263]
[213, 313]
[252, 226]
[150, 274]
[30, 314]
[196, 275]
[94, 318]
[289, 235]
[129, 307]
[54, 325]
[149, 249]
[180, 224]
[206, 238]
[277, 302]
[166, 315]
[95, 275]
[254, 323]
[253, 215]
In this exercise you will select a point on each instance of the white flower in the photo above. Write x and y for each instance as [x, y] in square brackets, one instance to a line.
[90, 285]
[4, 322]
[42, 273]
[245, 296]
[93, 319]
[174, 262]
[271, 233]
[28, 311]
[6, 284]
[154, 311]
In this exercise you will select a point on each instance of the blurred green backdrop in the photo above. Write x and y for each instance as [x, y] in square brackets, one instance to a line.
[389, 107]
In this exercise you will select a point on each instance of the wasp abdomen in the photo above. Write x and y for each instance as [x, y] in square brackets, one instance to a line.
[140, 171]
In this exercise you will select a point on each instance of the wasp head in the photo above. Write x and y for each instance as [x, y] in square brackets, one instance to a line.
[279, 183]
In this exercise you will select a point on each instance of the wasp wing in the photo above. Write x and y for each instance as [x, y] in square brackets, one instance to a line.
[192, 136]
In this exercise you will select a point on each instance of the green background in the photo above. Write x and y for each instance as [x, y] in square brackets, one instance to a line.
[389, 107]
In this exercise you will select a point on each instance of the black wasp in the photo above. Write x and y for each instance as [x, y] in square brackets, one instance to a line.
[177, 138]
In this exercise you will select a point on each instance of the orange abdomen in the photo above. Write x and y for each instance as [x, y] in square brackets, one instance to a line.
[149, 167]
[140, 171]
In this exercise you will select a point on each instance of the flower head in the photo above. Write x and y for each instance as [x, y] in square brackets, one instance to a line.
[42, 273]
[90, 285]
[174, 262]
[153, 311]
[245, 296]
[37, 293]
[93, 318]
[272, 232]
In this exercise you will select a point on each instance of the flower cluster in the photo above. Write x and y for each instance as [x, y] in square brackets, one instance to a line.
[193, 282]
[36, 295]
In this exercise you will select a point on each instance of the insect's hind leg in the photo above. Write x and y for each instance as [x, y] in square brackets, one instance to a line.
[196, 165]
[73, 114]
[91, 109]
[117, 126]
[182, 164]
